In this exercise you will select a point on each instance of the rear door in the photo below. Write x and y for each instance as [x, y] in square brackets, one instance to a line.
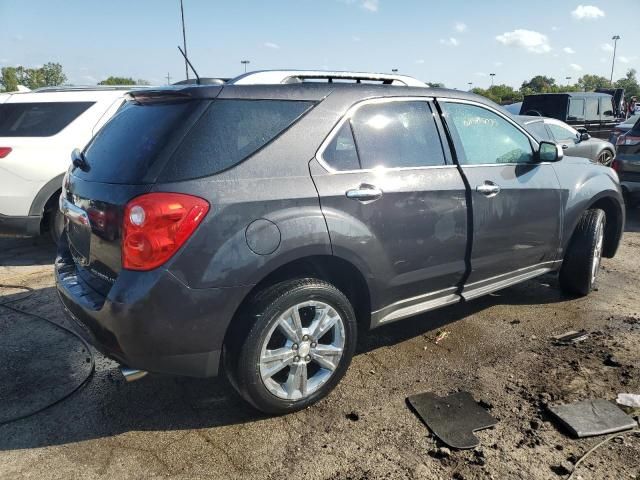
[394, 205]
[516, 202]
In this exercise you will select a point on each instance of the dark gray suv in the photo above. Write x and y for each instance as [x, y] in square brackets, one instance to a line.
[254, 228]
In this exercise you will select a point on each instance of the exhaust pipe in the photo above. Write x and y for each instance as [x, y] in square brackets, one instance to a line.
[131, 374]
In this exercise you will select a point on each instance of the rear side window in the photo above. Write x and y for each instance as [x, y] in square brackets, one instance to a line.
[341, 153]
[538, 130]
[576, 109]
[129, 145]
[229, 132]
[38, 119]
[592, 113]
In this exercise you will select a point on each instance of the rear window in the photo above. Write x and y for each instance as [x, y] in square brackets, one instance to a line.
[229, 132]
[132, 143]
[38, 119]
[554, 106]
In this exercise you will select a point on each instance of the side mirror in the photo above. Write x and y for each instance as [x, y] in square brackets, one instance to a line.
[550, 152]
[584, 136]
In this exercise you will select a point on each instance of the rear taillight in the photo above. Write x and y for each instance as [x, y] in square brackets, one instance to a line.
[628, 140]
[4, 151]
[616, 165]
[156, 225]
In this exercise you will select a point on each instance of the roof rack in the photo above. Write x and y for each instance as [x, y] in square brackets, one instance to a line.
[86, 88]
[270, 77]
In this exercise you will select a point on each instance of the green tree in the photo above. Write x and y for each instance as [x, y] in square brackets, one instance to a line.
[9, 79]
[588, 83]
[123, 81]
[49, 75]
[630, 84]
[502, 94]
[538, 84]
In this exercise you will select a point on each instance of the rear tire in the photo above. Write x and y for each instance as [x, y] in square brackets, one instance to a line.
[55, 221]
[282, 361]
[606, 157]
[579, 271]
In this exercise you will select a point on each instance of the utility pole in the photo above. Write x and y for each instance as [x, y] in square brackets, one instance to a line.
[394, 70]
[245, 63]
[615, 39]
[168, 79]
[470, 85]
[568, 80]
[492, 75]
[184, 41]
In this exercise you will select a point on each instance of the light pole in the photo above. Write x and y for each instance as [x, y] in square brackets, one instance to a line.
[394, 70]
[492, 75]
[245, 63]
[568, 79]
[615, 39]
[470, 85]
[184, 41]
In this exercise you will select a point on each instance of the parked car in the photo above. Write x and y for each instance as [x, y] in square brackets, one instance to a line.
[627, 163]
[38, 131]
[253, 227]
[623, 127]
[590, 110]
[574, 143]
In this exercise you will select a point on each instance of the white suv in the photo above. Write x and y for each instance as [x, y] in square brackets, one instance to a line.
[38, 131]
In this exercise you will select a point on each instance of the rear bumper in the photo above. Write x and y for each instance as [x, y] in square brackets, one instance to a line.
[28, 226]
[150, 320]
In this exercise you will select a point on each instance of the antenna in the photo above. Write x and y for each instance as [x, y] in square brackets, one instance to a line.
[193, 69]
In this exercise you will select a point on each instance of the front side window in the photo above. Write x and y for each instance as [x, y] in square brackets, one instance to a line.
[485, 137]
[562, 133]
[538, 130]
[38, 119]
[576, 109]
[397, 134]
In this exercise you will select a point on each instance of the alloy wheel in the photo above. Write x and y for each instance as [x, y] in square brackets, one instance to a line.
[302, 350]
[597, 252]
[605, 158]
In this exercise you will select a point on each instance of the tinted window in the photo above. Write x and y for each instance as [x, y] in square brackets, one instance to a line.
[538, 130]
[485, 137]
[606, 108]
[592, 109]
[126, 148]
[38, 119]
[228, 132]
[576, 109]
[341, 153]
[562, 133]
[397, 134]
[554, 106]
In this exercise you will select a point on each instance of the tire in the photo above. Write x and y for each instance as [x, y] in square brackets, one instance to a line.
[303, 352]
[606, 157]
[55, 221]
[578, 274]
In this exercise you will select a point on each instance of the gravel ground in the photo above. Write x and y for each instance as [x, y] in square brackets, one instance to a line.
[499, 348]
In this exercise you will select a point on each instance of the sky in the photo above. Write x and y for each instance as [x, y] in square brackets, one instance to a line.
[450, 41]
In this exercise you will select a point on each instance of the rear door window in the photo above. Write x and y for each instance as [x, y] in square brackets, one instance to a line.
[229, 132]
[592, 114]
[562, 133]
[576, 109]
[38, 119]
[341, 153]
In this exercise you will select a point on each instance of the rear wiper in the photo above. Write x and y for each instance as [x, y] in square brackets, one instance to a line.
[79, 160]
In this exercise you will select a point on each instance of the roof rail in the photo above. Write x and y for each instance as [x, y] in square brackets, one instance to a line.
[86, 88]
[270, 77]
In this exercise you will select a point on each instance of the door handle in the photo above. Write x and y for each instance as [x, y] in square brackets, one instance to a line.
[364, 193]
[488, 189]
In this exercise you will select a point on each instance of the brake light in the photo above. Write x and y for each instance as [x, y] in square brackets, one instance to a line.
[4, 151]
[628, 140]
[156, 225]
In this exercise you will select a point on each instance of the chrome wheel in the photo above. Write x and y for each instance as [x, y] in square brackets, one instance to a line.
[302, 350]
[605, 158]
[597, 252]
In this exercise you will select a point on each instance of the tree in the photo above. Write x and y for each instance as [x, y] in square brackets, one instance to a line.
[589, 83]
[630, 84]
[539, 84]
[502, 94]
[52, 74]
[123, 81]
[9, 79]
[49, 75]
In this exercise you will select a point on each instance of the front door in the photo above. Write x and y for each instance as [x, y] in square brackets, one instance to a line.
[394, 206]
[569, 139]
[517, 210]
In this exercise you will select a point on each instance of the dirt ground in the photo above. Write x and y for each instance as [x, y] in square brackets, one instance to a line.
[499, 348]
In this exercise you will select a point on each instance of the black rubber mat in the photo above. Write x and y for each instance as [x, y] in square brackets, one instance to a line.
[593, 417]
[452, 419]
[40, 364]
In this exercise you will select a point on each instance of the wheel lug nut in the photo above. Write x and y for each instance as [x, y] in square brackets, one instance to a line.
[296, 359]
[307, 358]
[314, 345]
[305, 338]
[294, 346]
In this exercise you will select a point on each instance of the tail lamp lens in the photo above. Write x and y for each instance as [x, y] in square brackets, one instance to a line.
[156, 225]
[628, 140]
[4, 151]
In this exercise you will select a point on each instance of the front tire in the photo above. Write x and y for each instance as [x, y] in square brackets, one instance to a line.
[298, 347]
[579, 271]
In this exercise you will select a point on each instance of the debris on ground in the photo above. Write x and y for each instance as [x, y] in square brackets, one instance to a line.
[353, 416]
[592, 417]
[563, 468]
[611, 361]
[454, 418]
[570, 337]
[630, 403]
[441, 335]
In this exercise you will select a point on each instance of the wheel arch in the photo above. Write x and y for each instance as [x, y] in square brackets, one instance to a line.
[46, 199]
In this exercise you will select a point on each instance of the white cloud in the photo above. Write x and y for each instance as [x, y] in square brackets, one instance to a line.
[575, 67]
[498, 64]
[370, 5]
[555, 29]
[450, 42]
[420, 61]
[624, 59]
[587, 12]
[568, 50]
[606, 47]
[460, 27]
[275, 46]
[531, 41]
[355, 38]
